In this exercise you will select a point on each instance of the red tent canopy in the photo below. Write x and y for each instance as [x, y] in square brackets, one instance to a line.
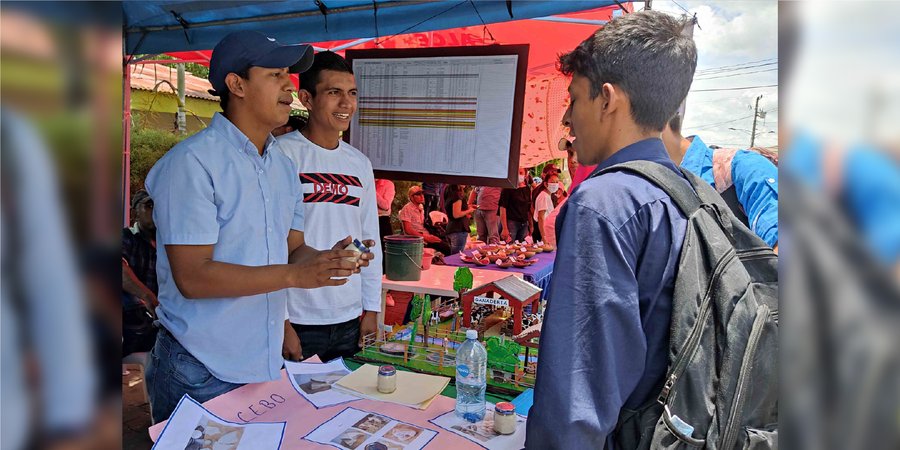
[545, 93]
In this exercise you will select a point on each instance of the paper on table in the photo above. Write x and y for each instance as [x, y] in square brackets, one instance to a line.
[482, 433]
[314, 381]
[413, 389]
[357, 429]
[193, 427]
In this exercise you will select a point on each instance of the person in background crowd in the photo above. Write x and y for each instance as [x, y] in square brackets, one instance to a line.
[229, 232]
[546, 201]
[579, 173]
[537, 231]
[139, 252]
[412, 217]
[433, 193]
[515, 209]
[487, 222]
[339, 199]
[746, 179]
[620, 236]
[139, 284]
[458, 213]
[384, 197]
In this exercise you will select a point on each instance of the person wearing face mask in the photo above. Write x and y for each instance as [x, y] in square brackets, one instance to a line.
[579, 173]
[515, 209]
[546, 201]
[541, 187]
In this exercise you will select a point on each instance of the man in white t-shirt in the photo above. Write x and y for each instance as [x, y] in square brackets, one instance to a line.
[338, 190]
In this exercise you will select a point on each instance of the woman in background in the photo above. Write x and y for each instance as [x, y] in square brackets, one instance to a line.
[458, 212]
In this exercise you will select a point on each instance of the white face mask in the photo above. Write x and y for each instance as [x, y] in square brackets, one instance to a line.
[521, 179]
[552, 187]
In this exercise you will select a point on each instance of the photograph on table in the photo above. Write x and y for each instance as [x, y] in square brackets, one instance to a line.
[384, 444]
[482, 433]
[210, 434]
[351, 438]
[193, 427]
[357, 429]
[403, 433]
[372, 423]
[313, 381]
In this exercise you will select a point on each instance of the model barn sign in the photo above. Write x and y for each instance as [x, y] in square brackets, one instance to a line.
[479, 300]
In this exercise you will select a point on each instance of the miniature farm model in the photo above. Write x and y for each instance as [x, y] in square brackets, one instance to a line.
[437, 328]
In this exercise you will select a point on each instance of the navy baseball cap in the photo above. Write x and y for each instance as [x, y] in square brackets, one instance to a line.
[240, 50]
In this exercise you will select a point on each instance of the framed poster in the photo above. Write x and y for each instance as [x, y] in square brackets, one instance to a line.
[450, 114]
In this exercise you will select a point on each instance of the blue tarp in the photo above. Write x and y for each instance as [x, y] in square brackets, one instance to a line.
[169, 26]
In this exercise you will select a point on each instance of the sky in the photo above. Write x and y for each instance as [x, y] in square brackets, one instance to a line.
[737, 45]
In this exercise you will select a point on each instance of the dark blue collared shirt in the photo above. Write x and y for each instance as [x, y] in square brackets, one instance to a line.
[604, 343]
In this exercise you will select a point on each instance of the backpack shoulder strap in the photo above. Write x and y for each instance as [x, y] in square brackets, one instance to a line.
[704, 190]
[681, 193]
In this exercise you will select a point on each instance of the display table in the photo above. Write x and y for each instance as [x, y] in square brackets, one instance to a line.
[277, 401]
[538, 274]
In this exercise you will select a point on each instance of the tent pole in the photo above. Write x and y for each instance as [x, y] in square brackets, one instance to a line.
[126, 144]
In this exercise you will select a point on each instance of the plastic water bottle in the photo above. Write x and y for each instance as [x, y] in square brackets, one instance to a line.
[471, 378]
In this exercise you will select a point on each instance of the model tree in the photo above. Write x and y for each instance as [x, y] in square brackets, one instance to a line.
[420, 312]
[503, 354]
[462, 279]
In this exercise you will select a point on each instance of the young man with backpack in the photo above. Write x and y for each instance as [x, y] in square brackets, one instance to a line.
[650, 252]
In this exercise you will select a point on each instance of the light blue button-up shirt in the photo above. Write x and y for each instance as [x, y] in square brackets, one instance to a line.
[214, 188]
[755, 181]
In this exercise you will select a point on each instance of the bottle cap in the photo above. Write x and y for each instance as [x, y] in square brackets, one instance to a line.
[504, 408]
[472, 334]
[387, 370]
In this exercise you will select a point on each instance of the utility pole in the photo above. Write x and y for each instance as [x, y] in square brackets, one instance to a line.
[755, 116]
[180, 118]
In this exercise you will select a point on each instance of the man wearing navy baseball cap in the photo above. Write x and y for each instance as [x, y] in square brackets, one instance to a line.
[229, 219]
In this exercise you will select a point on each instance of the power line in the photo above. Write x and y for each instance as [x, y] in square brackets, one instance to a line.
[739, 64]
[682, 7]
[733, 69]
[719, 123]
[719, 99]
[734, 88]
[735, 74]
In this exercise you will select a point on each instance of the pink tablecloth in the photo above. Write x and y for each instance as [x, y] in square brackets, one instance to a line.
[277, 401]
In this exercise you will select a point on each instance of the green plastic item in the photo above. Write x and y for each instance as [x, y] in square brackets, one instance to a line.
[503, 354]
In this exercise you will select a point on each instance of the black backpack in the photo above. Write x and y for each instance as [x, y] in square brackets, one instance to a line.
[721, 388]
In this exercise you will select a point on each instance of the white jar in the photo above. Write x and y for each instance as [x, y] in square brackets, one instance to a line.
[387, 379]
